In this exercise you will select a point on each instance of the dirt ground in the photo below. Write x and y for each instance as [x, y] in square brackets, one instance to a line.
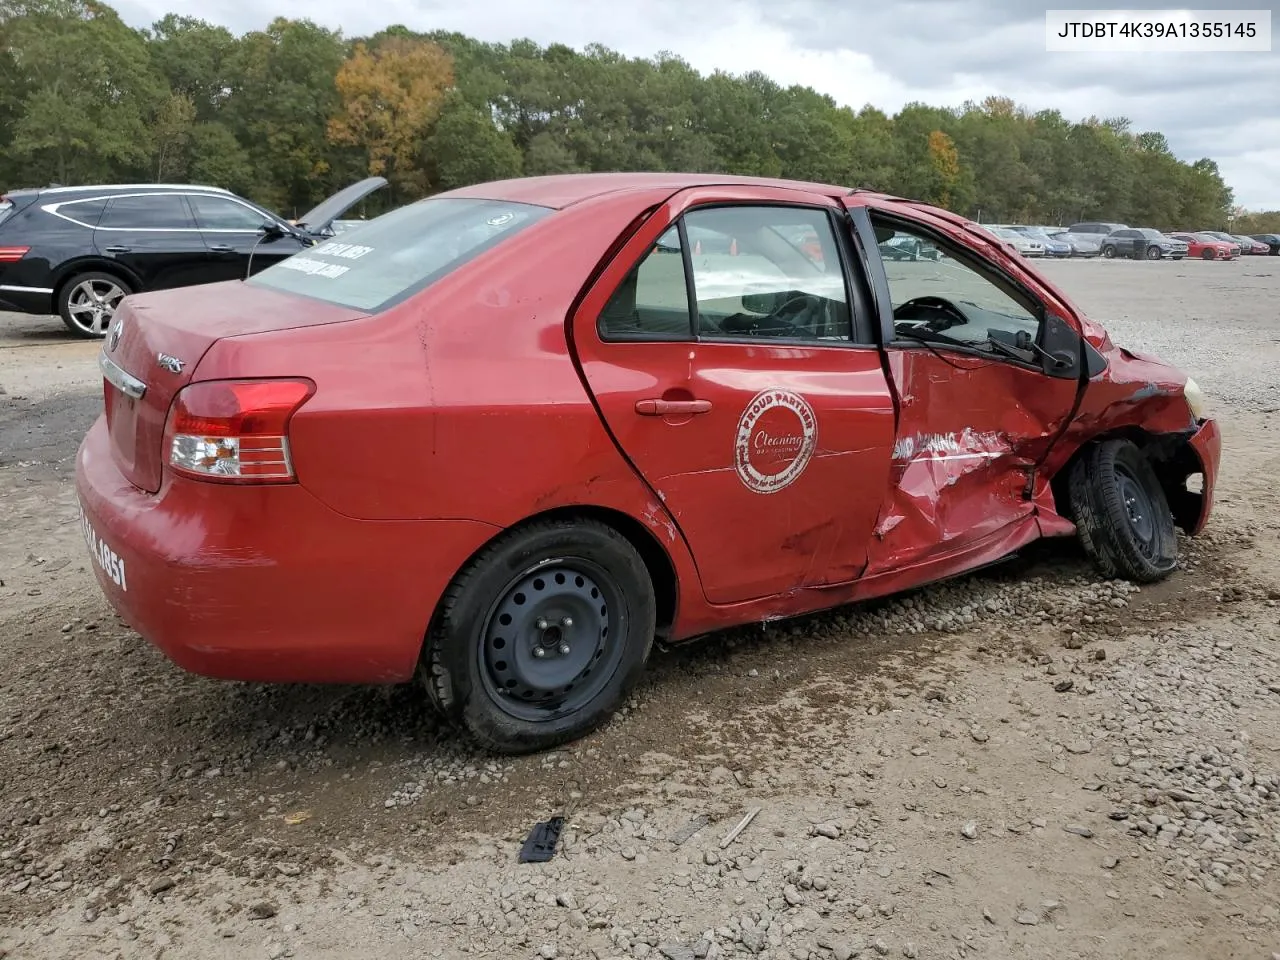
[1025, 763]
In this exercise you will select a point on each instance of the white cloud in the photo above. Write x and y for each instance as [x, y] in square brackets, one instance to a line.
[941, 52]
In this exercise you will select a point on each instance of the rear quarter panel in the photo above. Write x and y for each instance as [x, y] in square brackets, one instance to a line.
[55, 245]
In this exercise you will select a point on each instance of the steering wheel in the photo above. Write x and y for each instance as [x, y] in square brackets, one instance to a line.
[951, 315]
[779, 322]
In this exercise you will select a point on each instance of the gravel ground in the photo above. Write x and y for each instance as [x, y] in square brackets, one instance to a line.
[1026, 762]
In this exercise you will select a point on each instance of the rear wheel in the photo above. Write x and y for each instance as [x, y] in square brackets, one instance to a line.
[1109, 251]
[541, 637]
[87, 303]
[1122, 514]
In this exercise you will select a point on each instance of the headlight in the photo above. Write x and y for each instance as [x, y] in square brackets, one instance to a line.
[1195, 398]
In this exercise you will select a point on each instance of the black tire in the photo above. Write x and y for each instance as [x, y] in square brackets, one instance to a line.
[91, 324]
[1153, 252]
[466, 660]
[1207, 254]
[1108, 251]
[1121, 513]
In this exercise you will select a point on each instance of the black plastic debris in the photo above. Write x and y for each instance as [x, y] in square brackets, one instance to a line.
[540, 845]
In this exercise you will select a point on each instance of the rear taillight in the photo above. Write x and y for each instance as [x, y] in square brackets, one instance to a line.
[235, 431]
[12, 254]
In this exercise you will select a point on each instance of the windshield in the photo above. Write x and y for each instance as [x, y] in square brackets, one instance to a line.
[386, 260]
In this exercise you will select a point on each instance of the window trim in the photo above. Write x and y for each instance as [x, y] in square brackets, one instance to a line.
[861, 325]
[55, 209]
[1013, 287]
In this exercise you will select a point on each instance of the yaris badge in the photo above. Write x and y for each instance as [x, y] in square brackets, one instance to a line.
[170, 363]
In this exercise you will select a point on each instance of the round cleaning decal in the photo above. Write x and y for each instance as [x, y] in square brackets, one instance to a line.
[775, 442]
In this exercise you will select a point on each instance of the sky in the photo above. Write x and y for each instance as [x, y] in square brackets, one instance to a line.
[886, 53]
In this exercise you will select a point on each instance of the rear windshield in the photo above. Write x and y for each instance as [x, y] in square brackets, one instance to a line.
[377, 264]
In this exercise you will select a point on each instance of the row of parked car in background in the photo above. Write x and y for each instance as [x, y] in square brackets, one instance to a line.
[1110, 240]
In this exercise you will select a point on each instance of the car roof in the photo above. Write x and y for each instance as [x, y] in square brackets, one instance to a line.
[562, 190]
[98, 188]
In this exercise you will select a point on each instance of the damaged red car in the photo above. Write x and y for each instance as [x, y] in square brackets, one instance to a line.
[505, 437]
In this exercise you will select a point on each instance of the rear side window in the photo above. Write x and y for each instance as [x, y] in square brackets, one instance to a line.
[6, 208]
[86, 212]
[392, 257]
[165, 211]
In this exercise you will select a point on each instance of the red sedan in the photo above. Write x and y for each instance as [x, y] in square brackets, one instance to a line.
[1206, 247]
[504, 437]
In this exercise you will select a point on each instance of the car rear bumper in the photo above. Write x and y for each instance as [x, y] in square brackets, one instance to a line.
[265, 583]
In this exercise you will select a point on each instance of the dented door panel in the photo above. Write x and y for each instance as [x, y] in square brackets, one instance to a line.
[970, 427]
[968, 433]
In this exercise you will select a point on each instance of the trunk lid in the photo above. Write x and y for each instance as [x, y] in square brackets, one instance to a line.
[155, 343]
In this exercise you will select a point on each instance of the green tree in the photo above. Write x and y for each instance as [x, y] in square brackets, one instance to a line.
[283, 93]
[87, 92]
[466, 147]
[194, 57]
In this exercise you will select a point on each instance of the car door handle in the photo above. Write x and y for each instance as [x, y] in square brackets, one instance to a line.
[118, 249]
[666, 408]
[222, 248]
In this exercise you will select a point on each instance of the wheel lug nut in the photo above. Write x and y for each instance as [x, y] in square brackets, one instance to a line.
[539, 652]
[566, 621]
[541, 623]
[564, 649]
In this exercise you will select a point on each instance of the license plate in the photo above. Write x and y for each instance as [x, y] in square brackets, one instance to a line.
[112, 563]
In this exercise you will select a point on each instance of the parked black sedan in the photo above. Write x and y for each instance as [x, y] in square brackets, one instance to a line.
[1272, 240]
[76, 251]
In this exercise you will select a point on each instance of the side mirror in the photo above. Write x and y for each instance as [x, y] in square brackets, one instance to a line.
[271, 230]
[1054, 360]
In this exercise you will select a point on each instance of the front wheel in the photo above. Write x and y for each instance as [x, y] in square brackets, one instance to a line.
[541, 636]
[1121, 513]
[1153, 252]
[1207, 255]
[1109, 252]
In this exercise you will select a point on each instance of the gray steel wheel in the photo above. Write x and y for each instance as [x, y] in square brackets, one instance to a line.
[89, 301]
[541, 635]
[546, 641]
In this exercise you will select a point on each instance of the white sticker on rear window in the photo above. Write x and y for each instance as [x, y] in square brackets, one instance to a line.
[348, 251]
[316, 268]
